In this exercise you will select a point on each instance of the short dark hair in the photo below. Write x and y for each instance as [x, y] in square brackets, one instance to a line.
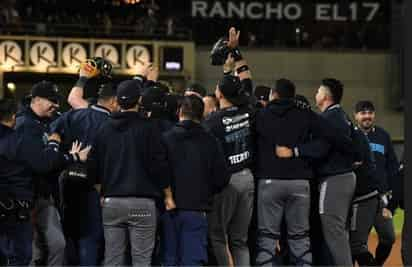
[335, 87]
[8, 108]
[106, 91]
[192, 107]
[124, 105]
[285, 88]
[364, 105]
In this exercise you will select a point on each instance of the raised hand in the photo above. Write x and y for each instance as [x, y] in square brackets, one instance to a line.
[84, 153]
[233, 38]
[143, 68]
[229, 65]
[153, 73]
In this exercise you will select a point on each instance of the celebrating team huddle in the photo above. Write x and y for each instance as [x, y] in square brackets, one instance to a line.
[142, 176]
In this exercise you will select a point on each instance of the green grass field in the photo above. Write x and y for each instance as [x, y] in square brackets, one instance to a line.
[397, 221]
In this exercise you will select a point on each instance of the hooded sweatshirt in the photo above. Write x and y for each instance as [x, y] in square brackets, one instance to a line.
[282, 123]
[198, 165]
[128, 158]
[285, 123]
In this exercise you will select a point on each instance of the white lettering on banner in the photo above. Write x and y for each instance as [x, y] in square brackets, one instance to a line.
[322, 12]
[10, 53]
[108, 52]
[217, 10]
[374, 9]
[354, 11]
[42, 55]
[278, 11]
[232, 8]
[137, 54]
[235, 159]
[256, 6]
[199, 7]
[73, 54]
[336, 16]
[291, 11]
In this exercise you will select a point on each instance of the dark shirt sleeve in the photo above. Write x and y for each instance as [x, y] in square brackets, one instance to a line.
[392, 163]
[221, 174]
[324, 137]
[367, 170]
[314, 149]
[93, 164]
[247, 86]
[158, 164]
[211, 126]
[39, 157]
[59, 125]
[392, 173]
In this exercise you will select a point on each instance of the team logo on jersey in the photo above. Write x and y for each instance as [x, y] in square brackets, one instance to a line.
[235, 119]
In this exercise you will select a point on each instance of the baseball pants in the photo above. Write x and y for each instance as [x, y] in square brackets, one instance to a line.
[278, 199]
[363, 217]
[335, 198]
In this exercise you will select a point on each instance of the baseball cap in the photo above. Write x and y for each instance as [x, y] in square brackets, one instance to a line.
[262, 92]
[285, 88]
[153, 96]
[128, 91]
[106, 90]
[47, 90]
[231, 88]
[364, 105]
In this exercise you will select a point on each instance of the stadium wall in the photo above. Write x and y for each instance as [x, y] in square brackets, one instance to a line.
[365, 75]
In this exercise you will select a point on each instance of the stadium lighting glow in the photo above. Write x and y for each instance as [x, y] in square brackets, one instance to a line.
[11, 86]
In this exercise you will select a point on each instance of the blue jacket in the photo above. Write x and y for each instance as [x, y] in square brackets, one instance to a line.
[80, 124]
[22, 159]
[33, 131]
[337, 162]
[198, 165]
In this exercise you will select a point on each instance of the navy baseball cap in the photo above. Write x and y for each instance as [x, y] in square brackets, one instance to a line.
[128, 91]
[231, 88]
[47, 90]
[151, 96]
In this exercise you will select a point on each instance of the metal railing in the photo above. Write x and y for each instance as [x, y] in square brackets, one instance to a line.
[96, 31]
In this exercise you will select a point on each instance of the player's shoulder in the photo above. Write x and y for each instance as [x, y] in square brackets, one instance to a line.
[381, 131]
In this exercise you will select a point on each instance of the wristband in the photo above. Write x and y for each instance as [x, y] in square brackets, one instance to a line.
[296, 152]
[75, 157]
[384, 200]
[236, 54]
[242, 69]
[81, 82]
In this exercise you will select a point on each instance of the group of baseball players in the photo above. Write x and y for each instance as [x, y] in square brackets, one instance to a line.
[245, 176]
